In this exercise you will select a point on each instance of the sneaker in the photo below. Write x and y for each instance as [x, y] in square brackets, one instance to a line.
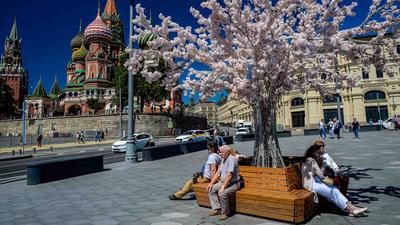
[173, 197]
[214, 212]
[223, 217]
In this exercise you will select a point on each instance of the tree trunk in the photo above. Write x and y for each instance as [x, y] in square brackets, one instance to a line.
[266, 146]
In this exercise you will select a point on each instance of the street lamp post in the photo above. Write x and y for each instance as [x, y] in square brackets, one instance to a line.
[379, 111]
[120, 108]
[338, 101]
[131, 155]
[23, 141]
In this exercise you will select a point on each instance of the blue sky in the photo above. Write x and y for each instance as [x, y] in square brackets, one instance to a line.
[47, 27]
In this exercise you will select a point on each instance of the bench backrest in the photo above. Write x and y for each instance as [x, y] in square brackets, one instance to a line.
[274, 179]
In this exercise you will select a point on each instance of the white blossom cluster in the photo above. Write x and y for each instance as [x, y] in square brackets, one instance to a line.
[259, 50]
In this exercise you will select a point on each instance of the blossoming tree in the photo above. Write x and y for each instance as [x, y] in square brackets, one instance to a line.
[260, 50]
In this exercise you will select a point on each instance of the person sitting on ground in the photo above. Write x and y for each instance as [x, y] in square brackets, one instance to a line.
[313, 180]
[210, 169]
[225, 183]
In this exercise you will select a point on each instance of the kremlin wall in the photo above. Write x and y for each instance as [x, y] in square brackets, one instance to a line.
[156, 124]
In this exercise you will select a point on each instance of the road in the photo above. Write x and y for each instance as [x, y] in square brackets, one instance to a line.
[15, 170]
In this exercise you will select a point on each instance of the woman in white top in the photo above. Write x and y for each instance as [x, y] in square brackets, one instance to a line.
[313, 177]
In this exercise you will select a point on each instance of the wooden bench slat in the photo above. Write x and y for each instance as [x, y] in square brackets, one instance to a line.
[266, 187]
[263, 175]
[271, 215]
[266, 208]
[244, 200]
[252, 169]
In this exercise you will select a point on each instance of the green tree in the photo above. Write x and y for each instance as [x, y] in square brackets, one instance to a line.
[120, 84]
[7, 103]
[142, 89]
[93, 104]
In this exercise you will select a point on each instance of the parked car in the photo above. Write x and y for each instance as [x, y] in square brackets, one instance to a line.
[142, 140]
[243, 131]
[193, 135]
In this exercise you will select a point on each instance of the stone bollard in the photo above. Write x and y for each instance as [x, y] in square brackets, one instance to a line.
[34, 150]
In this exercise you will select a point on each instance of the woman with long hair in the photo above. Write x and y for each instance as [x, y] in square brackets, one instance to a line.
[313, 180]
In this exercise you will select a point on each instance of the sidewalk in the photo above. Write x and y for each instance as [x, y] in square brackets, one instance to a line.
[57, 146]
[138, 193]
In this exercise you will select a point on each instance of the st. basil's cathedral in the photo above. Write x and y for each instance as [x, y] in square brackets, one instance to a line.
[96, 51]
[95, 54]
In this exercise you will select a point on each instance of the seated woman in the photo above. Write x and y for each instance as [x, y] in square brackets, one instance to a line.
[313, 178]
[327, 160]
[208, 170]
[242, 159]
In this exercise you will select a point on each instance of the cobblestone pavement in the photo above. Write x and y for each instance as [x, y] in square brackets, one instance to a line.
[137, 194]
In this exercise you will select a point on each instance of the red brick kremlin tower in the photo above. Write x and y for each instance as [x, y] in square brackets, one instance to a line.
[95, 54]
[11, 68]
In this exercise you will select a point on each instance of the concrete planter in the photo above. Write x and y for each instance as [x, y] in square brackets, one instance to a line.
[311, 132]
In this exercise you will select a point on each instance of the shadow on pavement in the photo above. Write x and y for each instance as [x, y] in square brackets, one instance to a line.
[357, 174]
[358, 195]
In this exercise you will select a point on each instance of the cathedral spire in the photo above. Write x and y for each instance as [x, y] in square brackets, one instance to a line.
[55, 89]
[110, 8]
[39, 90]
[80, 25]
[14, 31]
[98, 8]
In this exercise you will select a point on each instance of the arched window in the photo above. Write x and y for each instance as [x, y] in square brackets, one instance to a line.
[331, 99]
[373, 95]
[297, 102]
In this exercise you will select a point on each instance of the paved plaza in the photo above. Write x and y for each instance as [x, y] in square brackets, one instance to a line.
[138, 193]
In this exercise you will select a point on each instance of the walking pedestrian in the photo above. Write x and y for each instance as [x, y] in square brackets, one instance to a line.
[355, 127]
[337, 126]
[322, 131]
[78, 137]
[331, 134]
[81, 136]
[39, 140]
[102, 135]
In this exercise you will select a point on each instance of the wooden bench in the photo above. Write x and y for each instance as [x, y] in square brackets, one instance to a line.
[274, 193]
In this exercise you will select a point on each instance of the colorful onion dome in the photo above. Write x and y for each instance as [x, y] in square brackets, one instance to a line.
[78, 40]
[98, 29]
[80, 54]
[143, 40]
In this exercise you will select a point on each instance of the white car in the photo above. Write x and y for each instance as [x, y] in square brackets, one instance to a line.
[142, 140]
[243, 131]
[193, 135]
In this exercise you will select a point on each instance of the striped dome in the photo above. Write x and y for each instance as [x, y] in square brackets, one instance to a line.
[98, 29]
[80, 54]
[77, 40]
[146, 39]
